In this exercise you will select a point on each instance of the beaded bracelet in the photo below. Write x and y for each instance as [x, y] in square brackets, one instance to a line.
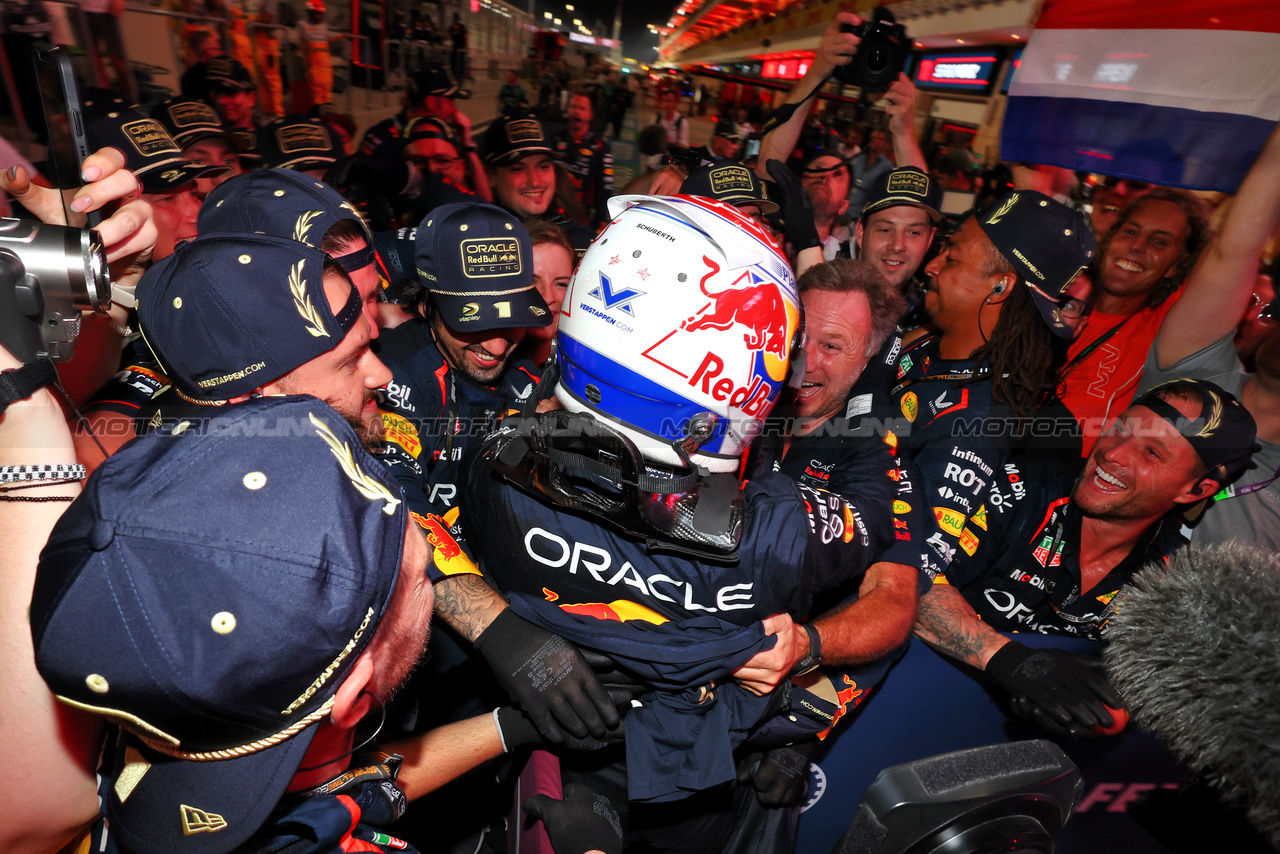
[40, 498]
[59, 471]
[38, 484]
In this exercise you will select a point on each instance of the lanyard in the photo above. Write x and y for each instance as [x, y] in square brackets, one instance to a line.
[1236, 491]
[1088, 351]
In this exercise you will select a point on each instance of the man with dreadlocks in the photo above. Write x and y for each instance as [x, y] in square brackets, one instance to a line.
[1141, 266]
[986, 361]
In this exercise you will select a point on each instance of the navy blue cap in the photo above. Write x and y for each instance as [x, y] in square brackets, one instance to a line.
[189, 120]
[279, 202]
[150, 153]
[512, 138]
[1223, 434]
[476, 260]
[298, 142]
[227, 314]
[730, 182]
[1047, 243]
[227, 73]
[906, 185]
[208, 592]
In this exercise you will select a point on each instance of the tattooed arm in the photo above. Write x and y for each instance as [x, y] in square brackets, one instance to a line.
[948, 623]
[468, 604]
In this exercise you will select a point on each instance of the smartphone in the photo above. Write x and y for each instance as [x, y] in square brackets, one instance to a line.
[752, 149]
[64, 116]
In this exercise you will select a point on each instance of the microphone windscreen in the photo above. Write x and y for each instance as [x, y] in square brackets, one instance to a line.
[1194, 649]
[652, 140]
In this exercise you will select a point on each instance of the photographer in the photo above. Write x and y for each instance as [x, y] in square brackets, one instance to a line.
[826, 176]
[48, 749]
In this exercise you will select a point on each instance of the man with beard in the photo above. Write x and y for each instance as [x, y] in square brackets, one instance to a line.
[587, 158]
[278, 202]
[1195, 340]
[451, 370]
[234, 316]
[1040, 554]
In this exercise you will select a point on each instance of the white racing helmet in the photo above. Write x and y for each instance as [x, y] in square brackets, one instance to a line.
[678, 328]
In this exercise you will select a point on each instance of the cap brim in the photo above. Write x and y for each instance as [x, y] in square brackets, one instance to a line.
[1050, 311]
[160, 805]
[898, 201]
[766, 206]
[519, 154]
[523, 309]
[169, 175]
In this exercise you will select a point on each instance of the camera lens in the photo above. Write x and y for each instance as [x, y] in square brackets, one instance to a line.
[877, 60]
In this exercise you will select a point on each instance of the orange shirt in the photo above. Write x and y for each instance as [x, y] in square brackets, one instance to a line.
[1101, 385]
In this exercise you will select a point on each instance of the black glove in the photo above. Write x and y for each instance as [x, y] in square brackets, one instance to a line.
[547, 678]
[516, 729]
[1063, 692]
[583, 821]
[780, 776]
[797, 207]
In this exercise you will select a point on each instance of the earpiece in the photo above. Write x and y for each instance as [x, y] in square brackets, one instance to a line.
[1001, 287]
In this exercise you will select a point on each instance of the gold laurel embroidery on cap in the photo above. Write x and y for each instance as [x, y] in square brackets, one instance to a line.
[198, 821]
[155, 421]
[302, 301]
[1214, 421]
[302, 227]
[333, 665]
[135, 767]
[365, 485]
[1004, 209]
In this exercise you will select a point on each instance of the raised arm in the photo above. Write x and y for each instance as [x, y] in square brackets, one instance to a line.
[1218, 289]
[900, 104]
[835, 49]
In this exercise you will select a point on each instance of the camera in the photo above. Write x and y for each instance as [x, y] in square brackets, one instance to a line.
[882, 52]
[49, 274]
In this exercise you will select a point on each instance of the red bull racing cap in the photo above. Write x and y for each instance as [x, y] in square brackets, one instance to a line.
[476, 262]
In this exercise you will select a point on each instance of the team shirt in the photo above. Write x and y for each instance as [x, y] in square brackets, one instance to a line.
[589, 162]
[430, 413]
[1019, 562]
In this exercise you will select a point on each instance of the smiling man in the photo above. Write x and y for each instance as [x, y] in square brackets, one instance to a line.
[1142, 264]
[897, 226]
[1043, 555]
[519, 163]
[450, 368]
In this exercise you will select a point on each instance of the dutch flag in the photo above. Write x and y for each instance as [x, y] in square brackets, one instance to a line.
[1180, 92]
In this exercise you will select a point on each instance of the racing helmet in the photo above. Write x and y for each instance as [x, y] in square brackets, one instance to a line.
[678, 328]
[315, 6]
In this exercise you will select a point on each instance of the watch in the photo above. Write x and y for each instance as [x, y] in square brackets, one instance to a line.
[20, 383]
[814, 658]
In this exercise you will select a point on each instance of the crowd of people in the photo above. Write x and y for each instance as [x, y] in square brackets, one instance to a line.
[422, 487]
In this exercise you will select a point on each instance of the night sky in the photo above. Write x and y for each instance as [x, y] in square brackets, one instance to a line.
[637, 42]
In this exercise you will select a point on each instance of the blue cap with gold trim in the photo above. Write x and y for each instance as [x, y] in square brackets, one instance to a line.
[209, 592]
[476, 261]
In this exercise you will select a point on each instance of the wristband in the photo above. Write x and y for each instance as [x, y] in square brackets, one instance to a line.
[20, 383]
[814, 658]
[58, 472]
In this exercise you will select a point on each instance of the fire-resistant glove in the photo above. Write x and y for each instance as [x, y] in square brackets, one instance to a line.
[583, 821]
[1066, 693]
[780, 776]
[548, 678]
